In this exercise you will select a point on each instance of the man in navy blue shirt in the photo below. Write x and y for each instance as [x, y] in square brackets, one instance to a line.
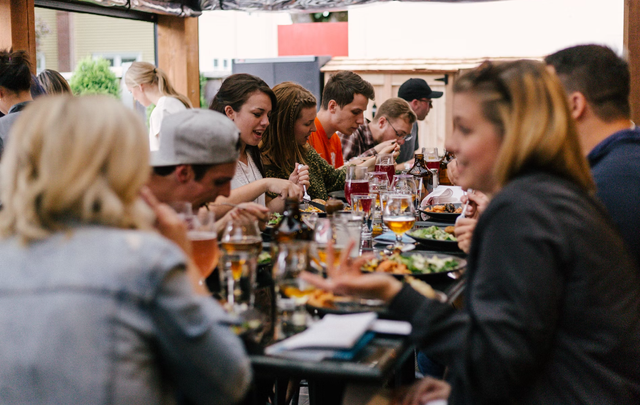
[597, 83]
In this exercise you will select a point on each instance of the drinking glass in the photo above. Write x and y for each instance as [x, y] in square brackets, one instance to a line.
[399, 215]
[322, 235]
[241, 244]
[356, 181]
[385, 162]
[347, 227]
[291, 291]
[432, 159]
[406, 184]
[201, 231]
[378, 183]
[184, 209]
[363, 206]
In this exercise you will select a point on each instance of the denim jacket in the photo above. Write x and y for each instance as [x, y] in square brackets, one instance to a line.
[100, 315]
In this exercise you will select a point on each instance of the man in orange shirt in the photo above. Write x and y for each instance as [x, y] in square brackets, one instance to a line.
[344, 100]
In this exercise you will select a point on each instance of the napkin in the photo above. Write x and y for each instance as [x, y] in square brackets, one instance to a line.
[443, 195]
[323, 334]
[390, 237]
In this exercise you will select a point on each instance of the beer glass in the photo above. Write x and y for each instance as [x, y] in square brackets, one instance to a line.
[399, 215]
[406, 184]
[201, 232]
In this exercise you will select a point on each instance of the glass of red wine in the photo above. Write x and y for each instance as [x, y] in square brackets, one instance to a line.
[356, 182]
[385, 162]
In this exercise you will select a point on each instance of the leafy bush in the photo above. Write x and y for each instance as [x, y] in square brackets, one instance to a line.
[94, 77]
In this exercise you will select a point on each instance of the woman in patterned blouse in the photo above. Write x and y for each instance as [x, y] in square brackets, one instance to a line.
[284, 143]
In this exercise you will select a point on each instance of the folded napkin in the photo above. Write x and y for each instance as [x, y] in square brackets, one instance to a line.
[390, 237]
[443, 195]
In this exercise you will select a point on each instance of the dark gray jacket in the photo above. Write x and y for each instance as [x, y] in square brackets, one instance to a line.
[552, 304]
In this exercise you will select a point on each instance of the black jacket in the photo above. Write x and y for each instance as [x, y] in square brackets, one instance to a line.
[552, 310]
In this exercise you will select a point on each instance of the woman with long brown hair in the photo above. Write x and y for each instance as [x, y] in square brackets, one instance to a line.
[150, 85]
[247, 100]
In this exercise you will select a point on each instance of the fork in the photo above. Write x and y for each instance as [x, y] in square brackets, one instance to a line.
[305, 197]
[464, 207]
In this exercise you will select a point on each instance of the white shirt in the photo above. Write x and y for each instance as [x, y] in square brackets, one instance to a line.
[246, 174]
[166, 106]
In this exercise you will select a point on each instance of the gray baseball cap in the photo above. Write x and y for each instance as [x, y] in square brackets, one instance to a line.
[197, 137]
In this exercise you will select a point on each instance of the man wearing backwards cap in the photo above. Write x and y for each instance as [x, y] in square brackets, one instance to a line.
[197, 159]
[419, 95]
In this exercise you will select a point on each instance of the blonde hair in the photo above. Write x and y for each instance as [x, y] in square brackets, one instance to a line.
[278, 142]
[74, 159]
[396, 108]
[145, 73]
[528, 106]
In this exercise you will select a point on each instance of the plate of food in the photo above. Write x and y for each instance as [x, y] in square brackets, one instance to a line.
[442, 212]
[422, 266]
[322, 302]
[436, 237]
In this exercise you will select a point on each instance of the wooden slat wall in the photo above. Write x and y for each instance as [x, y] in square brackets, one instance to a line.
[632, 45]
[178, 54]
[17, 27]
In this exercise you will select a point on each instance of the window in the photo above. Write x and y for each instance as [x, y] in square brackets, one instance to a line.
[215, 63]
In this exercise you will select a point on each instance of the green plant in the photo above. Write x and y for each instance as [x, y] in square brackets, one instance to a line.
[94, 77]
[203, 84]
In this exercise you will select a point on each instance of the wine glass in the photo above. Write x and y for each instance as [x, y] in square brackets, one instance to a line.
[241, 244]
[201, 231]
[363, 206]
[399, 215]
[356, 181]
[385, 162]
[406, 184]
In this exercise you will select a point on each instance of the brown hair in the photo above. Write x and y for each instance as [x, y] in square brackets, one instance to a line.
[15, 71]
[145, 73]
[278, 142]
[234, 92]
[53, 83]
[528, 107]
[599, 74]
[395, 108]
[343, 86]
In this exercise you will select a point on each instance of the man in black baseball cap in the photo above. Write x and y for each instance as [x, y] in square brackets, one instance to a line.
[419, 95]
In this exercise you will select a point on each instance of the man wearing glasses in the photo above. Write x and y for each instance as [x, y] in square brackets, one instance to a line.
[419, 95]
[389, 129]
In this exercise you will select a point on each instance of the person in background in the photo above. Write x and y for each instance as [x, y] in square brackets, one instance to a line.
[344, 101]
[15, 86]
[292, 123]
[419, 96]
[597, 82]
[53, 83]
[196, 162]
[150, 85]
[97, 307]
[552, 302]
[247, 100]
[385, 134]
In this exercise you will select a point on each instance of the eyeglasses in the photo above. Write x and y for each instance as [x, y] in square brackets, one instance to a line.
[406, 137]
